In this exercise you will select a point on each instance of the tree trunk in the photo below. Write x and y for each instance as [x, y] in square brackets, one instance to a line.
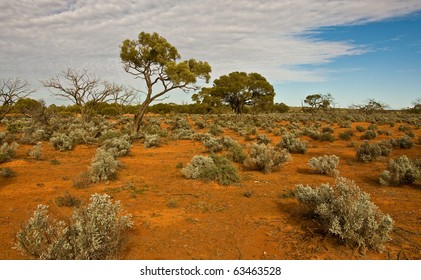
[138, 117]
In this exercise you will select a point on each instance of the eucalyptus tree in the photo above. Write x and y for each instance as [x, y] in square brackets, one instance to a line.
[154, 60]
[238, 89]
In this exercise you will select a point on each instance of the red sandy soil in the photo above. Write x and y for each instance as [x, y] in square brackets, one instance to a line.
[177, 218]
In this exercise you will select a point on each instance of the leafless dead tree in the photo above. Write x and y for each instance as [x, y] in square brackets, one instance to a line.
[11, 90]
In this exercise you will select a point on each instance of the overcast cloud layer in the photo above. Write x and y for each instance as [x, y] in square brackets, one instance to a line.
[39, 39]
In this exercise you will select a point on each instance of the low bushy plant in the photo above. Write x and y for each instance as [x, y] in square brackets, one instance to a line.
[213, 145]
[36, 151]
[117, 146]
[400, 171]
[346, 135]
[325, 164]
[104, 166]
[151, 140]
[369, 135]
[368, 152]
[404, 142]
[345, 211]
[93, 233]
[8, 151]
[61, 142]
[211, 168]
[264, 157]
[263, 139]
[293, 144]
[327, 136]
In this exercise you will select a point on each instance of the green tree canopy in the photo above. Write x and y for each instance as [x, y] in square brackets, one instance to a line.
[318, 101]
[238, 89]
[153, 59]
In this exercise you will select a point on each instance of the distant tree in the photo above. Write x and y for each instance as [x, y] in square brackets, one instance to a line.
[370, 106]
[417, 106]
[11, 90]
[26, 106]
[318, 102]
[153, 59]
[85, 90]
[238, 89]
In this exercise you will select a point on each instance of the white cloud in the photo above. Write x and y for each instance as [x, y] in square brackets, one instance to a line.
[38, 39]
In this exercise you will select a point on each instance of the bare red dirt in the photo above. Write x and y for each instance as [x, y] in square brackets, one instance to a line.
[177, 218]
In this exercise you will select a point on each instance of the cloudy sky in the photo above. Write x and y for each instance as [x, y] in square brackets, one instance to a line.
[352, 49]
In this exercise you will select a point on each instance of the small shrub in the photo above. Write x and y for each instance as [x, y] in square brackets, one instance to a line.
[151, 140]
[61, 142]
[368, 152]
[369, 134]
[325, 164]
[93, 233]
[117, 146]
[7, 151]
[264, 158]
[67, 200]
[347, 212]
[216, 130]
[212, 168]
[172, 203]
[360, 128]
[346, 135]
[236, 153]
[401, 171]
[327, 129]
[327, 136]
[263, 139]
[55, 162]
[82, 180]
[6, 172]
[103, 166]
[345, 124]
[36, 151]
[293, 144]
[213, 145]
[404, 142]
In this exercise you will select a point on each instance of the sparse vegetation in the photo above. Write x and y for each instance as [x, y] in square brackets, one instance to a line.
[211, 168]
[400, 171]
[347, 212]
[325, 164]
[264, 158]
[93, 233]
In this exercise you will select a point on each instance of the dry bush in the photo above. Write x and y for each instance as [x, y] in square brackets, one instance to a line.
[400, 171]
[264, 158]
[104, 166]
[293, 144]
[344, 210]
[325, 164]
[93, 232]
[212, 168]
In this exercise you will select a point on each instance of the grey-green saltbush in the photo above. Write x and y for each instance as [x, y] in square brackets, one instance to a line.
[400, 171]
[213, 145]
[325, 164]
[117, 146]
[36, 151]
[293, 144]
[61, 141]
[368, 152]
[263, 139]
[264, 157]
[104, 166]
[7, 151]
[344, 210]
[211, 168]
[151, 140]
[93, 233]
